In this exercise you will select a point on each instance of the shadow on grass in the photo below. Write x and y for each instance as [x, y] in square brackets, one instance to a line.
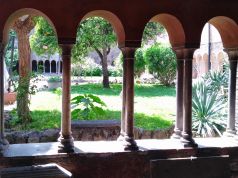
[142, 90]
[51, 119]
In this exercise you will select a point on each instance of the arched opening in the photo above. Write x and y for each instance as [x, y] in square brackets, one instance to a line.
[34, 66]
[157, 61]
[47, 66]
[53, 67]
[210, 88]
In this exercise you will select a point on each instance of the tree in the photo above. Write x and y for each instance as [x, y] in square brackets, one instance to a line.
[44, 40]
[152, 30]
[161, 61]
[95, 34]
[23, 27]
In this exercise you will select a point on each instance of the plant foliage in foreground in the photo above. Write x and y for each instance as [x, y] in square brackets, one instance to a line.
[208, 111]
[87, 106]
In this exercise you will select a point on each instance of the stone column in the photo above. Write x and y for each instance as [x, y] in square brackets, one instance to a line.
[233, 56]
[179, 95]
[123, 97]
[3, 141]
[187, 139]
[66, 140]
[127, 127]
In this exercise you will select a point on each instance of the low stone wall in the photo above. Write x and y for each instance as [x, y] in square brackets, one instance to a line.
[85, 131]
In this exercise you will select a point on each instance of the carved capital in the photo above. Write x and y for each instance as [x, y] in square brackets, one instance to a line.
[66, 49]
[128, 52]
[232, 53]
[184, 53]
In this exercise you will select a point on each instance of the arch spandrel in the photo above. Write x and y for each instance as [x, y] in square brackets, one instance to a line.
[228, 30]
[19, 13]
[174, 28]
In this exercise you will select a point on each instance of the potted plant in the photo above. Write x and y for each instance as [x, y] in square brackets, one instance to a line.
[54, 82]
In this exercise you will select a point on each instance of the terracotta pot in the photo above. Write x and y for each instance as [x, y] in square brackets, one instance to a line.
[10, 98]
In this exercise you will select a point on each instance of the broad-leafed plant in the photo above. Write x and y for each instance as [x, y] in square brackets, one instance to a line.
[87, 107]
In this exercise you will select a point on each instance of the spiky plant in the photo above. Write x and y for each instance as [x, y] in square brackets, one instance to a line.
[208, 111]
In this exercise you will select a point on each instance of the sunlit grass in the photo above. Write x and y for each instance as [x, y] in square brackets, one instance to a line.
[154, 105]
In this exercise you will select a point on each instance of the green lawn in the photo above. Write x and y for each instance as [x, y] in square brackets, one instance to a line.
[154, 105]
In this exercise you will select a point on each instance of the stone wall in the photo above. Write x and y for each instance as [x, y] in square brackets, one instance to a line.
[85, 131]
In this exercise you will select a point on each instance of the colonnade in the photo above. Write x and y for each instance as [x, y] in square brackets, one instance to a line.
[183, 124]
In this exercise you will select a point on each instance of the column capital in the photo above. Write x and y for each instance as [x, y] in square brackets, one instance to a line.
[66, 49]
[128, 52]
[183, 53]
[232, 53]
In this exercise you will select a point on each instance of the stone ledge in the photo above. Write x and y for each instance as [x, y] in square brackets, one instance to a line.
[86, 131]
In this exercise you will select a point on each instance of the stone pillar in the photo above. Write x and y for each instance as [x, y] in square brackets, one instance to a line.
[179, 95]
[66, 140]
[123, 97]
[233, 56]
[187, 139]
[3, 141]
[127, 122]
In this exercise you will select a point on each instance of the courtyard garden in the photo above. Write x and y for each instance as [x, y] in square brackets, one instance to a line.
[154, 106]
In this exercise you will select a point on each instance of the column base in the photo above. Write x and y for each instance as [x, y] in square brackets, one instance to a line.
[121, 137]
[229, 133]
[177, 134]
[66, 144]
[128, 143]
[188, 141]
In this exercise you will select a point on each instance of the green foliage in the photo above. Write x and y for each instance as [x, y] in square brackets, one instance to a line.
[54, 79]
[87, 106]
[217, 80]
[152, 29]
[93, 34]
[9, 61]
[58, 92]
[44, 40]
[208, 110]
[161, 62]
[40, 120]
[140, 63]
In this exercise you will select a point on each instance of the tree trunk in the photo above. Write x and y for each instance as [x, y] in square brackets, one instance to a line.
[23, 28]
[105, 69]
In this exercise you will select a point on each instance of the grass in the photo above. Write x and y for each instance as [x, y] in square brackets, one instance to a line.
[154, 105]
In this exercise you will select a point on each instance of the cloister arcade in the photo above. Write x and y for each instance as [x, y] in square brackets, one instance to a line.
[183, 20]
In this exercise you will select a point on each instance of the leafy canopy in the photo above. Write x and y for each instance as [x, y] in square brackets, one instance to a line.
[93, 34]
[44, 40]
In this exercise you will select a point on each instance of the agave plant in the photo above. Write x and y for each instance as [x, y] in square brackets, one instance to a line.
[216, 80]
[208, 111]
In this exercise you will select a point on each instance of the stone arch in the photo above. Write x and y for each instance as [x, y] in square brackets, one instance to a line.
[19, 13]
[47, 66]
[53, 66]
[228, 30]
[174, 28]
[34, 66]
[113, 20]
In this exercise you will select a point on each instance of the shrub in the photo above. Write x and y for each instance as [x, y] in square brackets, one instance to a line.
[161, 62]
[139, 62]
[54, 79]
